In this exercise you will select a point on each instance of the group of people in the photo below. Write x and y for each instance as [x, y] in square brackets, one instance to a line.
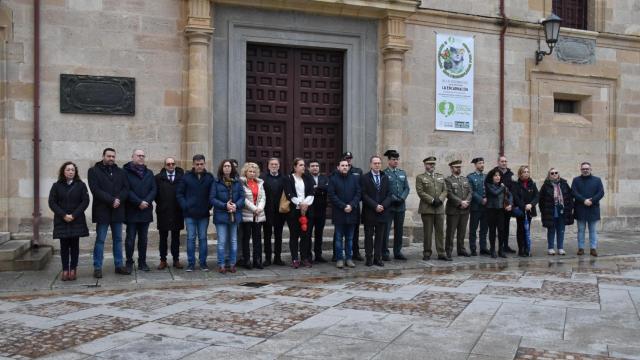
[249, 207]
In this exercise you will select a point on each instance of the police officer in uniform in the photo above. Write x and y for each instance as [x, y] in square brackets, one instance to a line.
[457, 209]
[432, 191]
[478, 215]
[399, 187]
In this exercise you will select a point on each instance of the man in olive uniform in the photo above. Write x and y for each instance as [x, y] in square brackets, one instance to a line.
[457, 209]
[432, 192]
[399, 187]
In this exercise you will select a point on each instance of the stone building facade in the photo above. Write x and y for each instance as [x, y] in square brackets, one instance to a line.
[201, 88]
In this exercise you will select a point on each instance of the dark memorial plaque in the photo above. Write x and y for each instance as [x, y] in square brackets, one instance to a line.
[86, 94]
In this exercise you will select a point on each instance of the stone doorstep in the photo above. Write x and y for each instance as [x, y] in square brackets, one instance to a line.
[30, 259]
[13, 249]
[4, 237]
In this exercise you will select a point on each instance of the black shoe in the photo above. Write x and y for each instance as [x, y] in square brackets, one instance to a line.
[509, 250]
[386, 257]
[463, 253]
[97, 273]
[369, 262]
[485, 252]
[493, 254]
[278, 261]
[129, 268]
[247, 265]
[333, 258]
[357, 257]
[520, 253]
[143, 267]
[267, 262]
[258, 265]
[378, 262]
[319, 259]
[442, 257]
[122, 271]
[426, 258]
[448, 255]
[400, 257]
[474, 253]
[502, 254]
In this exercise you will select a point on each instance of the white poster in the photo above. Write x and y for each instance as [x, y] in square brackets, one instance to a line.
[454, 83]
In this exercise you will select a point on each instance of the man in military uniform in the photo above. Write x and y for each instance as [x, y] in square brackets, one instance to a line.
[478, 215]
[399, 187]
[457, 209]
[432, 191]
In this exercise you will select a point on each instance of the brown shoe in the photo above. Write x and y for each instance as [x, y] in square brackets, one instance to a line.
[593, 252]
[177, 265]
[580, 251]
[65, 275]
[163, 265]
[72, 274]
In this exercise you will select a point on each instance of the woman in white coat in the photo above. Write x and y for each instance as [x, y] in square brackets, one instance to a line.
[252, 214]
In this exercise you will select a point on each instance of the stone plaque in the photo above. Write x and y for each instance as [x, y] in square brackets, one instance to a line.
[576, 50]
[86, 94]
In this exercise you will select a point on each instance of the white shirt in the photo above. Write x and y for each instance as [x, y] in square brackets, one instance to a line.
[300, 199]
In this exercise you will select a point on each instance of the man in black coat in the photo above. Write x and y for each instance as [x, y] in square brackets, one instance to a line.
[168, 212]
[357, 172]
[376, 200]
[110, 189]
[507, 180]
[139, 208]
[316, 226]
[273, 186]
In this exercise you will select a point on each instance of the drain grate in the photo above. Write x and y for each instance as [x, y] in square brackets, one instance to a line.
[254, 284]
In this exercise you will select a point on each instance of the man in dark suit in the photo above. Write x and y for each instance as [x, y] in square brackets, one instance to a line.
[273, 186]
[319, 206]
[376, 200]
[168, 212]
[357, 172]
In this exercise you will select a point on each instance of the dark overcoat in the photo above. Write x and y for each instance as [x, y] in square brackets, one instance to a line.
[343, 191]
[106, 184]
[372, 197]
[193, 194]
[70, 199]
[168, 211]
[583, 188]
[140, 189]
[547, 203]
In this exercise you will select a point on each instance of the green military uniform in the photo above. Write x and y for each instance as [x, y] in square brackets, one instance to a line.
[431, 187]
[458, 190]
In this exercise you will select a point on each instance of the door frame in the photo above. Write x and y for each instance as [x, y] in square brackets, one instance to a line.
[360, 106]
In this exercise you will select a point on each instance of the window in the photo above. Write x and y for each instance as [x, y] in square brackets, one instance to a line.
[572, 12]
[566, 106]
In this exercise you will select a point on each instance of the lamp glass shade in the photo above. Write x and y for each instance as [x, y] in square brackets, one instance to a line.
[551, 28]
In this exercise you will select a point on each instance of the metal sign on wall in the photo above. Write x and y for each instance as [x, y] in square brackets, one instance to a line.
[454, 82]
[86, 94]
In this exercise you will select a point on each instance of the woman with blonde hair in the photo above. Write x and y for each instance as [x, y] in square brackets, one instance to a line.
[556, 210]
[525, 199]
[253, 215]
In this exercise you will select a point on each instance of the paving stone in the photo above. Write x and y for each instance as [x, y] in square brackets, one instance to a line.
[501, 345]
[439, 340]
[155, 328]
[108, 342]
[403, 352]
[528, 320]
[227, 297]
[304, 292]
[372, 286]
[438, 282]
[541, 354]
[153, 347]
[52, 310]
[606, 280]
[64, 355]
[550, 290]
[227, 352]
[616, 301]
[379, 330]
[146, 303]
[340, 348]
[576, 346]
[503, 277]
[626, 352]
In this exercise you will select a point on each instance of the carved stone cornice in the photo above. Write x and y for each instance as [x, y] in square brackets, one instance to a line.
[394, 37]
[199, 23]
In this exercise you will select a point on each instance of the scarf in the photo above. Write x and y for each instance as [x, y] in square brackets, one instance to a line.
[139, 170]
[557, 193]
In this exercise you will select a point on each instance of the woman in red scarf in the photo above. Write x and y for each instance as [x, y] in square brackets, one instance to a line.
[253, 215]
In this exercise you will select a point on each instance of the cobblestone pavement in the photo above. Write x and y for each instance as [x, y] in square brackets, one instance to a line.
[473, 308]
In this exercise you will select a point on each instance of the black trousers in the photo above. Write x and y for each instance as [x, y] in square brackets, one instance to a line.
[304, 247]
[495, 220]
[506, 222]
[252, 231]
[175, 244]
[355, 246]
[373, 234]
[478, 219]
[273, 228]
[316, 228]
[69, 249]
[397, 220]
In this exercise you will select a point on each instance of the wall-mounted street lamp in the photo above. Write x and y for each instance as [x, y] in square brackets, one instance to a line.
[551, 26]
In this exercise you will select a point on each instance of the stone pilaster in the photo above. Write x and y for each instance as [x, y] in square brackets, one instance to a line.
[198, 31]
[393, 49]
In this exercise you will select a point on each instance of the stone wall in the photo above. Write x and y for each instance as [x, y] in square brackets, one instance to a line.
[135, 38]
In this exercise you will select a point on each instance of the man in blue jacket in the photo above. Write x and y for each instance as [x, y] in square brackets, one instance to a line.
[478, 217]
[193, 197]
[344, 194]
[139, 208]
[587, 191]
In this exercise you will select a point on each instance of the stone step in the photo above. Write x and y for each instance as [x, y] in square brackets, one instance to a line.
[4, 237]
[12, 249]
[33, 259]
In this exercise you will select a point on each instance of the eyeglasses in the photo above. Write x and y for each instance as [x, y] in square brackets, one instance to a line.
[585, 169]
[554, 173]
[170, 164]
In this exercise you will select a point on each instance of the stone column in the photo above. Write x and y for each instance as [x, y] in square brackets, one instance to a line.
[394, 47]
[198, 31]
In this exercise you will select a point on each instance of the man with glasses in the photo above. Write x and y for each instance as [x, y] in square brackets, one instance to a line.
[587, 191]
[168, 212]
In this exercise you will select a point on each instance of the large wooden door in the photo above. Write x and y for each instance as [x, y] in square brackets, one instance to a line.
[294, 105]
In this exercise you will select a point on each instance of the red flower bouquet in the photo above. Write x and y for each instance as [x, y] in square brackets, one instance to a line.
[303, 222]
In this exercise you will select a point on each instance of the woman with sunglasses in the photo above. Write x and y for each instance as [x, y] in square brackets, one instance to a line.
[556, 208]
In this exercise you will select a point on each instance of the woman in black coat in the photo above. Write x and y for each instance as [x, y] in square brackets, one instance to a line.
[525, 199]
[556, 209]
[499, 202]
[299, 190]
[68, 199]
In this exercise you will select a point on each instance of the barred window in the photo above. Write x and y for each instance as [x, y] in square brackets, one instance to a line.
[572, 12]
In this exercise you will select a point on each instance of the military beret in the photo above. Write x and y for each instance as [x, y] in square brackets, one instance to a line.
[391, 154]
[456, 163]
[475, 160]
[347, 154]
[429, 160]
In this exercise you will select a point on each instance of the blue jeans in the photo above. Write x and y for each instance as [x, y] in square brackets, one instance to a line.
[346, 231]
[197, 227]
[101, 235]
[557, 232]
[227, 234]
[142, 230]
[593, 234]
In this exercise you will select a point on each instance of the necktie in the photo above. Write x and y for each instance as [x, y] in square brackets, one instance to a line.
[171, 177]
[377, 177]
